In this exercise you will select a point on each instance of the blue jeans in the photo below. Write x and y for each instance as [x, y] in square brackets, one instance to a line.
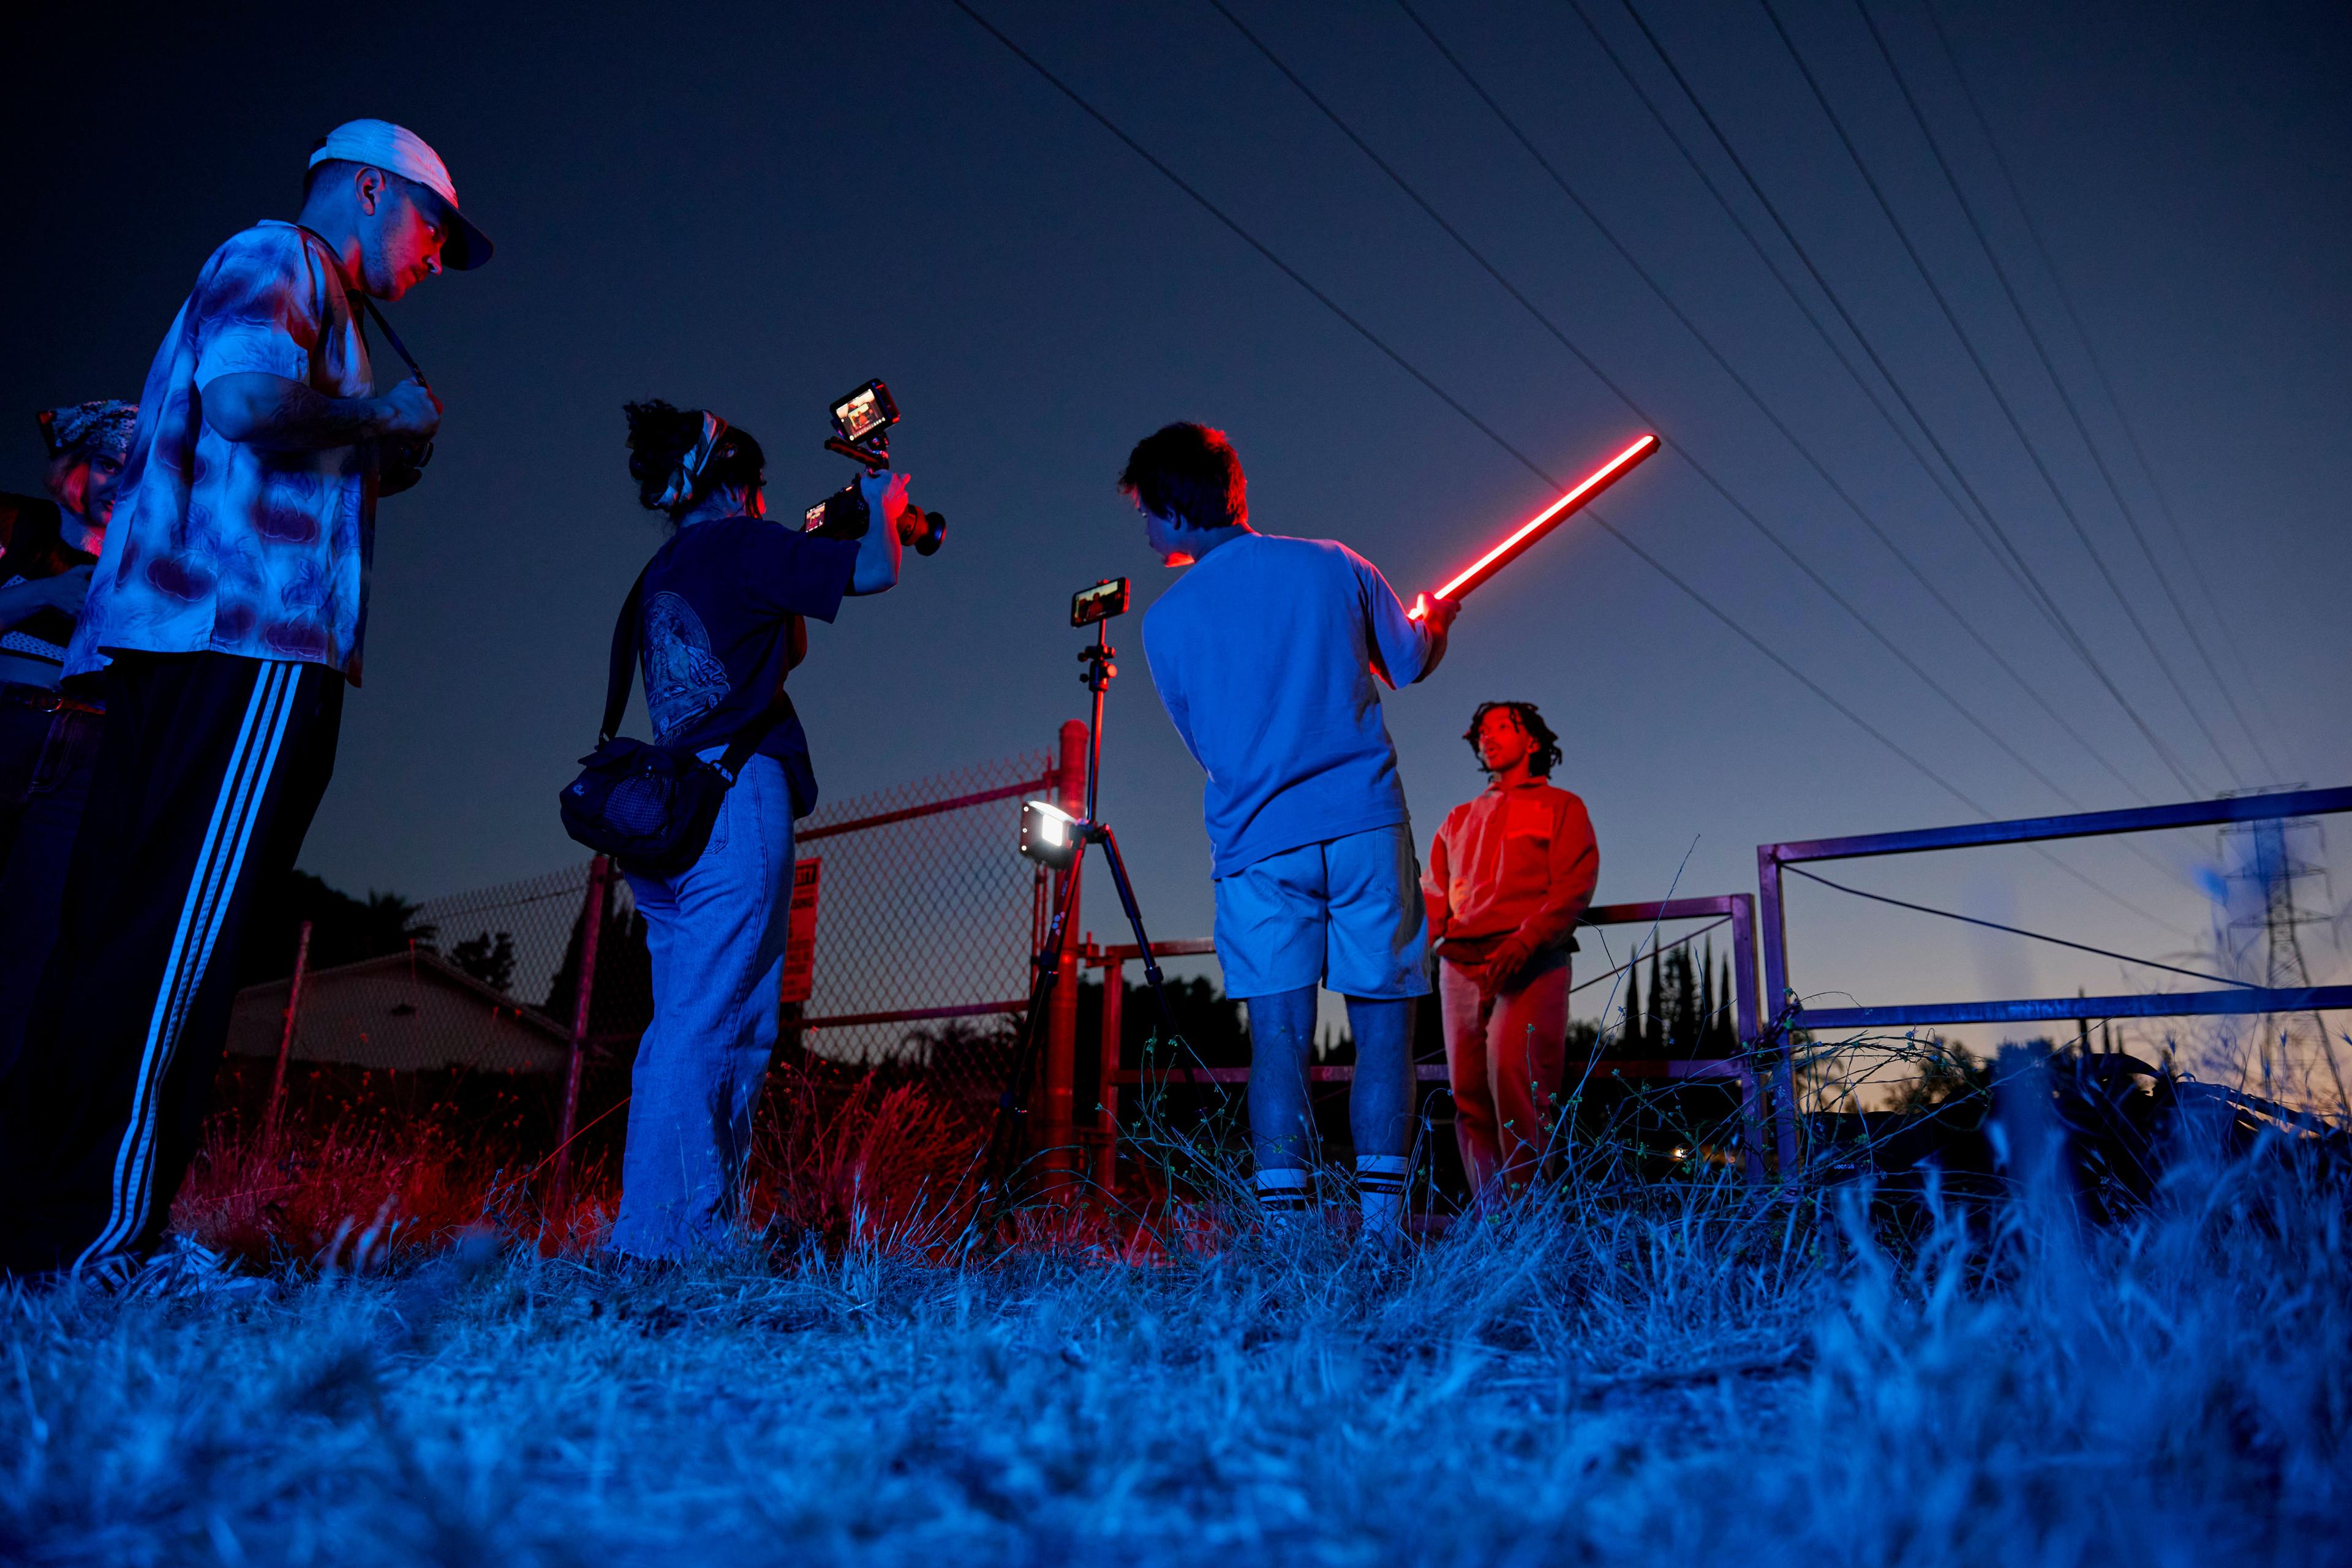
[716, 931]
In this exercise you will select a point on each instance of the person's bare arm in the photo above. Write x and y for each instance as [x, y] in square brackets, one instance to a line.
[258, 409]
[879, 552]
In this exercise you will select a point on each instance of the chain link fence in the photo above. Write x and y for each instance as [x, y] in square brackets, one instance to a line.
[915, 922]
[927, 917]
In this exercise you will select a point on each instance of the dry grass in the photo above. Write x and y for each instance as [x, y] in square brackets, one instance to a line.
[1674, 1372]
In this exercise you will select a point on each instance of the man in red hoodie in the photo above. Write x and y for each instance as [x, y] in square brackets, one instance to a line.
[1510, 874]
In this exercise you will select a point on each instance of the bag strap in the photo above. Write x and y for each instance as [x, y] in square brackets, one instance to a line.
[624, 671]
[754, 730]
[625, 658]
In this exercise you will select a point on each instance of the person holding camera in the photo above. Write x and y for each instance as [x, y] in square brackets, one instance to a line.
[1264, 653]
[1510, 873]
[224, 620]
[48, 734]
[720, 619]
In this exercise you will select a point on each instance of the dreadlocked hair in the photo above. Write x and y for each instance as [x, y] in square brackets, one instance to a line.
[1547, 752]
[660, 436]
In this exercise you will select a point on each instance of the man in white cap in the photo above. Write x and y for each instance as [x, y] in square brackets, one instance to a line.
[224, 618]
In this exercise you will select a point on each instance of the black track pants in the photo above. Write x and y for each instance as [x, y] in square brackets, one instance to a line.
[207, 779]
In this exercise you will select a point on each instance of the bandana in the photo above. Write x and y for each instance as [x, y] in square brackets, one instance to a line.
[683, 477]
[103, 427]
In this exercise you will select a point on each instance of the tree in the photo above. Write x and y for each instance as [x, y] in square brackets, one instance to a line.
[1948, 1076]
[489, 958]
[621, 1002]
[343, 929]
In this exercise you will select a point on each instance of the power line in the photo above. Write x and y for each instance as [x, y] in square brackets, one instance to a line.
[2050, 368]
[2030, 581]
[1627, 398]
[1984, 373]
[1721, 615]
[2016, 931]
[2131, 435]
[1876, 529]
[1870, 392]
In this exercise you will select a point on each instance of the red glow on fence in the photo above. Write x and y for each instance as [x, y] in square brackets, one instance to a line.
[1536, 527]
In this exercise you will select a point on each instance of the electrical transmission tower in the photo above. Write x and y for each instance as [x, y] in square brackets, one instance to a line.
[2270, 862]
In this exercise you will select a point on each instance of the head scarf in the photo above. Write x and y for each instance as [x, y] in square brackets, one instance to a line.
[99, 428]
[683, 477]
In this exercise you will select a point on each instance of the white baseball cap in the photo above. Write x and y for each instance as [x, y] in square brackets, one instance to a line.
[381, 144]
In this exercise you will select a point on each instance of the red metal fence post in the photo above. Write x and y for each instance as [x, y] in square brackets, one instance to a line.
[286, 1039]
[1061, 1019]
[591, 918]
[1114, 1021]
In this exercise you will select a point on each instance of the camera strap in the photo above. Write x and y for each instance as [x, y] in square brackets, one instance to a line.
[392, 338]
[623, 672]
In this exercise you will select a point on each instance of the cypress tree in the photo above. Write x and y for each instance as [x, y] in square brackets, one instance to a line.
[1729, 1028]
[1654, 1028]
[1706, 1002]
[1686, 1019]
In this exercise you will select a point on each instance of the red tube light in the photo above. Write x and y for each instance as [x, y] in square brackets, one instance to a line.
[1536, 527]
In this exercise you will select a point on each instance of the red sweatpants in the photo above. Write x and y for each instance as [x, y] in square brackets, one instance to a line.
[1504, 1054]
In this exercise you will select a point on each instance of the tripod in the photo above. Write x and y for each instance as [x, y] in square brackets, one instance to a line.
[1012, 1109]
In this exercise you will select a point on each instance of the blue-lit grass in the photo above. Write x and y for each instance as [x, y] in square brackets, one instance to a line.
[1672, 1372]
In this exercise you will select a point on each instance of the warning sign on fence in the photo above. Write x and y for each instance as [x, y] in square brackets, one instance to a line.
[800, 939]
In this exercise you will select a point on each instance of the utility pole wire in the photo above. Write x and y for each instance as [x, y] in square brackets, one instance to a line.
[1396, 358]
[2050, 368]
[1984, 373]
[2037, 593]
[1559, 335]
[2071, 728]
[2131, 435]
[1763, 406]
[1692, 327]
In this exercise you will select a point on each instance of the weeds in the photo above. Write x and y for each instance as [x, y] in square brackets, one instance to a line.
[1608, 1372]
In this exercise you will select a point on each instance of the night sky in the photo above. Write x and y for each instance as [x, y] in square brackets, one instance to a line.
[755, 208]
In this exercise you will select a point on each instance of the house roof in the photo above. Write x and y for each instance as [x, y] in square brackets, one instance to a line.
[405, 1012]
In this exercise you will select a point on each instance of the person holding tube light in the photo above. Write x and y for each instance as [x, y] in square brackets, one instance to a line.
[1264, 655]
[1510, 873]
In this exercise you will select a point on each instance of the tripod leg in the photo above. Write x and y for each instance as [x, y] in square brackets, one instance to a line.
[1135, 923]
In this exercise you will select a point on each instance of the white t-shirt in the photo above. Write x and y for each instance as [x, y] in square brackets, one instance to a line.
[1263, 652]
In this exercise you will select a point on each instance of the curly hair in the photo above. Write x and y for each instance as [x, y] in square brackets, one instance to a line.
[659, 435]
[1547, 752]
[1189, 472]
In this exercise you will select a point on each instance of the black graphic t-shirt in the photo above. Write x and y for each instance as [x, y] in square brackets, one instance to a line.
[719, 606]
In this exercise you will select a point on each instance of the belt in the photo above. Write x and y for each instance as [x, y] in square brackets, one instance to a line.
[44, 700]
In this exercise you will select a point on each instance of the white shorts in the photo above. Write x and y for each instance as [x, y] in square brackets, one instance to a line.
[1346, 913]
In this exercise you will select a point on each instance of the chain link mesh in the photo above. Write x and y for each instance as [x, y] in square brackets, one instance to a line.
[926, 920]
[925, 907]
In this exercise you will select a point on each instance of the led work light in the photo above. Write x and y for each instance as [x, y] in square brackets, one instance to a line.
[1049, 834]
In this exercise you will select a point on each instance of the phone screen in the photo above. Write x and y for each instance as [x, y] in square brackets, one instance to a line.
[860, 416]
[1100, 603]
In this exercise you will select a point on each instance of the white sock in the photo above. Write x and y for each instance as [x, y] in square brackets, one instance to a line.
[1285, 1191]
[1379, 1188]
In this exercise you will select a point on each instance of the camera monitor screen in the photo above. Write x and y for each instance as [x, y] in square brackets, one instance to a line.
[864, 412]
[1100, 603]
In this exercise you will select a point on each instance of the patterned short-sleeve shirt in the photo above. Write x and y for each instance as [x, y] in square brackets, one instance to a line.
[218, 545]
